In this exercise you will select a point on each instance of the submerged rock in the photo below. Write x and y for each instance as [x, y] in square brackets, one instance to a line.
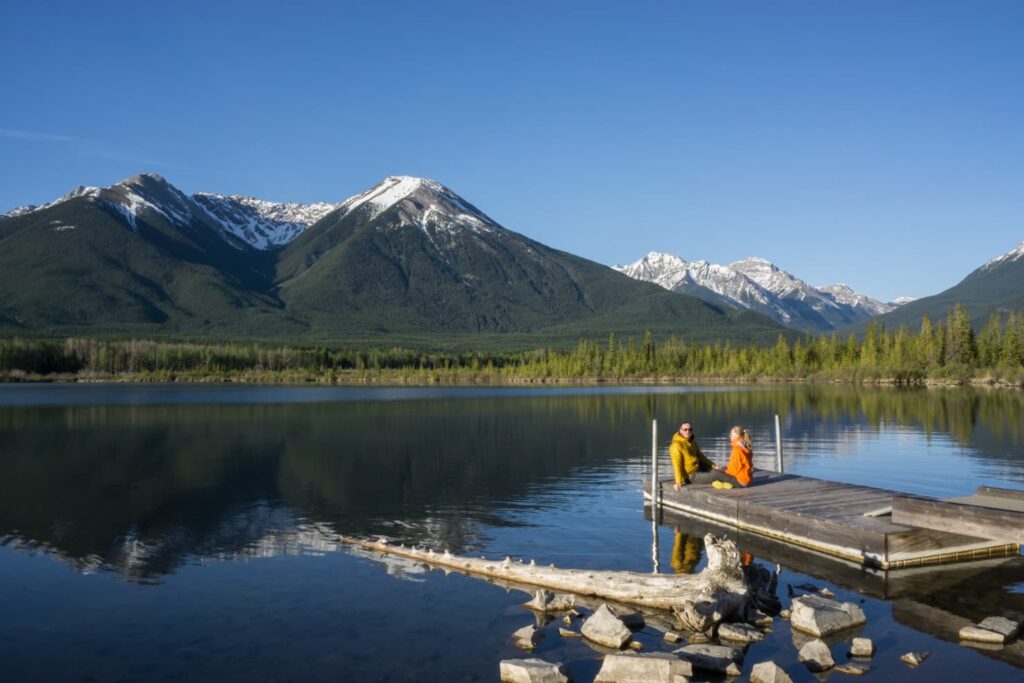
[852, 669]
[816, 656]
[821, 617]
[531, 671]
[655, 667]
[715, 658]
[604, 628]
[769, 672]
[569, 633]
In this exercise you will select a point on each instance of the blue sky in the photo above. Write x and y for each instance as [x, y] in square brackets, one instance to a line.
[877, 144]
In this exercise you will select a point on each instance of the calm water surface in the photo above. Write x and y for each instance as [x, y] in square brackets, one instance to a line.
[161, 533]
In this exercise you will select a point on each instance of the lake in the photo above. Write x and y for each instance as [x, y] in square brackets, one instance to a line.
[188, 532]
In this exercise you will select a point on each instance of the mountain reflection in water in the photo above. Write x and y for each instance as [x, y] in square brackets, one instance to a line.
[140, 489]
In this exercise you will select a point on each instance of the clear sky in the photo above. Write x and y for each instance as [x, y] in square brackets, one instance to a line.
[879, 144]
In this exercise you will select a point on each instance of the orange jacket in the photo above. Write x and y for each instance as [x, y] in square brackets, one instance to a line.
[741, 463]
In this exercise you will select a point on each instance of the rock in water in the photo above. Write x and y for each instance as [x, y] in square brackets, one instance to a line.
[862, 647]
[715, 658]
[604, 628]
[914, 659]
[981, 635]
[531, 671]
[1007, 627]
[672, 637]
[527, 637]
[769, 672]
[821, 617]
[851, 669]
[816, 655]
[740, 632]
[568, 633]
[655, 667]
[549, 601]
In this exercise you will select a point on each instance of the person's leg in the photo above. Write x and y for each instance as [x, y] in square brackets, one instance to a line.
[706, 476]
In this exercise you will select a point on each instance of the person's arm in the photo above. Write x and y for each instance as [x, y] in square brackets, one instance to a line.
[703, 459]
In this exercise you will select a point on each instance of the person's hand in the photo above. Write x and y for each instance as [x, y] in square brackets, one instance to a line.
[676, 486]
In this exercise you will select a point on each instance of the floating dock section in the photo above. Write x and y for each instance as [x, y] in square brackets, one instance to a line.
[854, 523]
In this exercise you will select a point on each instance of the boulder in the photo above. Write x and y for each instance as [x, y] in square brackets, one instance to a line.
[715, 658]
[816, 656]
[698, 639]
[740, 632]
[769, 672]
[531, 671]
[821, 617]
[527, 637]
[914, 659]
[655, 667]
[981, 635]
[604, 628]
[1007, 627]
[549, 601]
[862, 647]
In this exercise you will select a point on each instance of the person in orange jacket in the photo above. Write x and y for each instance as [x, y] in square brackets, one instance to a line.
[741, 460]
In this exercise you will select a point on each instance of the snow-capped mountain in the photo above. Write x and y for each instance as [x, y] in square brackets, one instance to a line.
[260, 223]
[239, 220]
[761, 286]
[1008, 257]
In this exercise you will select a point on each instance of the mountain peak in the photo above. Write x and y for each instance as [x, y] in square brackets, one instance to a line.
[420, 202]
[1008, 257]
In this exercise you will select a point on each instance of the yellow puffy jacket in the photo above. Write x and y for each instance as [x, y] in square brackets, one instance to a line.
[687, 458]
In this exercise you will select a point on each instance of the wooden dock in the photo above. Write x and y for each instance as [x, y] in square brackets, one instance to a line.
[850, 522]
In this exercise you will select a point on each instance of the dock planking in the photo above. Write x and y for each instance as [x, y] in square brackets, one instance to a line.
[829, 517]
[991, 512]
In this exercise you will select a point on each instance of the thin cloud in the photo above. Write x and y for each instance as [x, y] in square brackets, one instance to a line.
[30, 135]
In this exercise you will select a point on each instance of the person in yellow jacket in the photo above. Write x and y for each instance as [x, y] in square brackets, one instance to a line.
[690, 465]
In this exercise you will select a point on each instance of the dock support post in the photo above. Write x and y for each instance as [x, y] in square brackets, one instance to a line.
[655, 496]
[655, 492]
[778, 445]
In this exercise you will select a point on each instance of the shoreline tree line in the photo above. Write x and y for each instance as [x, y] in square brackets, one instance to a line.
[949, 350]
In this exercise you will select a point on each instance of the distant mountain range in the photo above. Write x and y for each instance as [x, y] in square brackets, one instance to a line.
[406, 261]
[759, 285]
[995, 287]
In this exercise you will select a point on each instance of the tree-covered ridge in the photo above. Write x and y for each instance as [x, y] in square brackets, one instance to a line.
[946, 350]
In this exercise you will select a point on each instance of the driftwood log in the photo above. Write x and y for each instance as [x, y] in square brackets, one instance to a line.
[698, 600]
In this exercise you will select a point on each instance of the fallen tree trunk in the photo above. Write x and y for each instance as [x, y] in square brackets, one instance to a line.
[716, 592]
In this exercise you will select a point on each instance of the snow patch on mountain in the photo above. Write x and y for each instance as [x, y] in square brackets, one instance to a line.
[901, 301]
[260, 223]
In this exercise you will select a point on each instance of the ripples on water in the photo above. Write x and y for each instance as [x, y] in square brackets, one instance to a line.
[156, 532]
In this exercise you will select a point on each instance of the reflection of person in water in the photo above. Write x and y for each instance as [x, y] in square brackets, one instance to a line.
[686, 552]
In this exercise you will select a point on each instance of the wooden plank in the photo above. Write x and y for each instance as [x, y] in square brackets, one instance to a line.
[994, 492]
[956, 518]
[844, 540]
